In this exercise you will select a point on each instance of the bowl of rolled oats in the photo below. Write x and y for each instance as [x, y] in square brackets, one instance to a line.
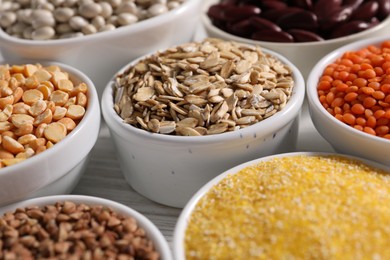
[96, 36]
[78, 227]
[50, 121]
[181, 116]
[294, 205]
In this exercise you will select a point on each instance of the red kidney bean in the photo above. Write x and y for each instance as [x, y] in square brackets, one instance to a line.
[338, 16]
[297, 20]
[349, 28]
[304, 36]
[229, 2]
[300, 20]
[324, 8]
[353, 3]
[272, 36]
[272, 4]
[237, 13]
[275, 14]
[366, 11]
[374, 21]
[305, 4]
[384, 9]
[263, 24]
[216, 12]
[243, 28]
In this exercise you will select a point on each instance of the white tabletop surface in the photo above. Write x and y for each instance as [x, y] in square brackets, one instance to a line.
[103, 177]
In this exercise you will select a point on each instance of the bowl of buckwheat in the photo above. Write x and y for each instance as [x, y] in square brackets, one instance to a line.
[98, 37]
[50, 120]
[180, 116]
[292, 205]
[78, 227]
[303, 31]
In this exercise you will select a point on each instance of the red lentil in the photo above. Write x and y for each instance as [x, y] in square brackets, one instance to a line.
[356, 89]
[299, 207]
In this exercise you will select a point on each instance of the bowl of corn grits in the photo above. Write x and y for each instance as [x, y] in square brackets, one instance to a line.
[50, 123]
[348, 94]
[293, 205]
[97, 37]
[181, 116]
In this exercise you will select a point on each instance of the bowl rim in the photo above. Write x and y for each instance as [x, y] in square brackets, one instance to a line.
[313, 78]
[154, 234]
[209, 26]
[117, 32]
[183, 220]
[272, 123]
[92, 106]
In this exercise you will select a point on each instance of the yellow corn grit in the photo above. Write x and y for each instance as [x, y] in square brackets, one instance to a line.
[299, 207]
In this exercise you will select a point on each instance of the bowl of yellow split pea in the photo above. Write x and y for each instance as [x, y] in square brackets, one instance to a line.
[50, 122]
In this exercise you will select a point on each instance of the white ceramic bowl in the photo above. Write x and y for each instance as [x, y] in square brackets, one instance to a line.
[153, 233]
[58, 169]
[344, 138]
[170, 169]
[182, 223]
[100, 55]
[303, 55]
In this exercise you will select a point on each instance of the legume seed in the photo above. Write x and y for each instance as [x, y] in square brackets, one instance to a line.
[43, 33]
[90, 10]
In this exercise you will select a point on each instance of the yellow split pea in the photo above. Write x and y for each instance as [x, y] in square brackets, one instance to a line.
[39, 106]
[299, 207]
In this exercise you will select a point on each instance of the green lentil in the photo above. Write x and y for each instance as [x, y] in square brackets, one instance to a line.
[299, 207]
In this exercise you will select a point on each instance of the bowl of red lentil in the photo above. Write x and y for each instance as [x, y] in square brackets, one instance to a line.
[180, 116]
[78, 227]
[302, 31]
[98, 37]
[349, 98]
[50, 122]
[293, 205]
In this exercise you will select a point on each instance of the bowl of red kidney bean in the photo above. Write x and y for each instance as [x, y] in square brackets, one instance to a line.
[302, 30]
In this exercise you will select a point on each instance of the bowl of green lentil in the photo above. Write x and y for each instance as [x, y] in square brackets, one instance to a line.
[299, 205]
[95, 36]
[348, 93]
